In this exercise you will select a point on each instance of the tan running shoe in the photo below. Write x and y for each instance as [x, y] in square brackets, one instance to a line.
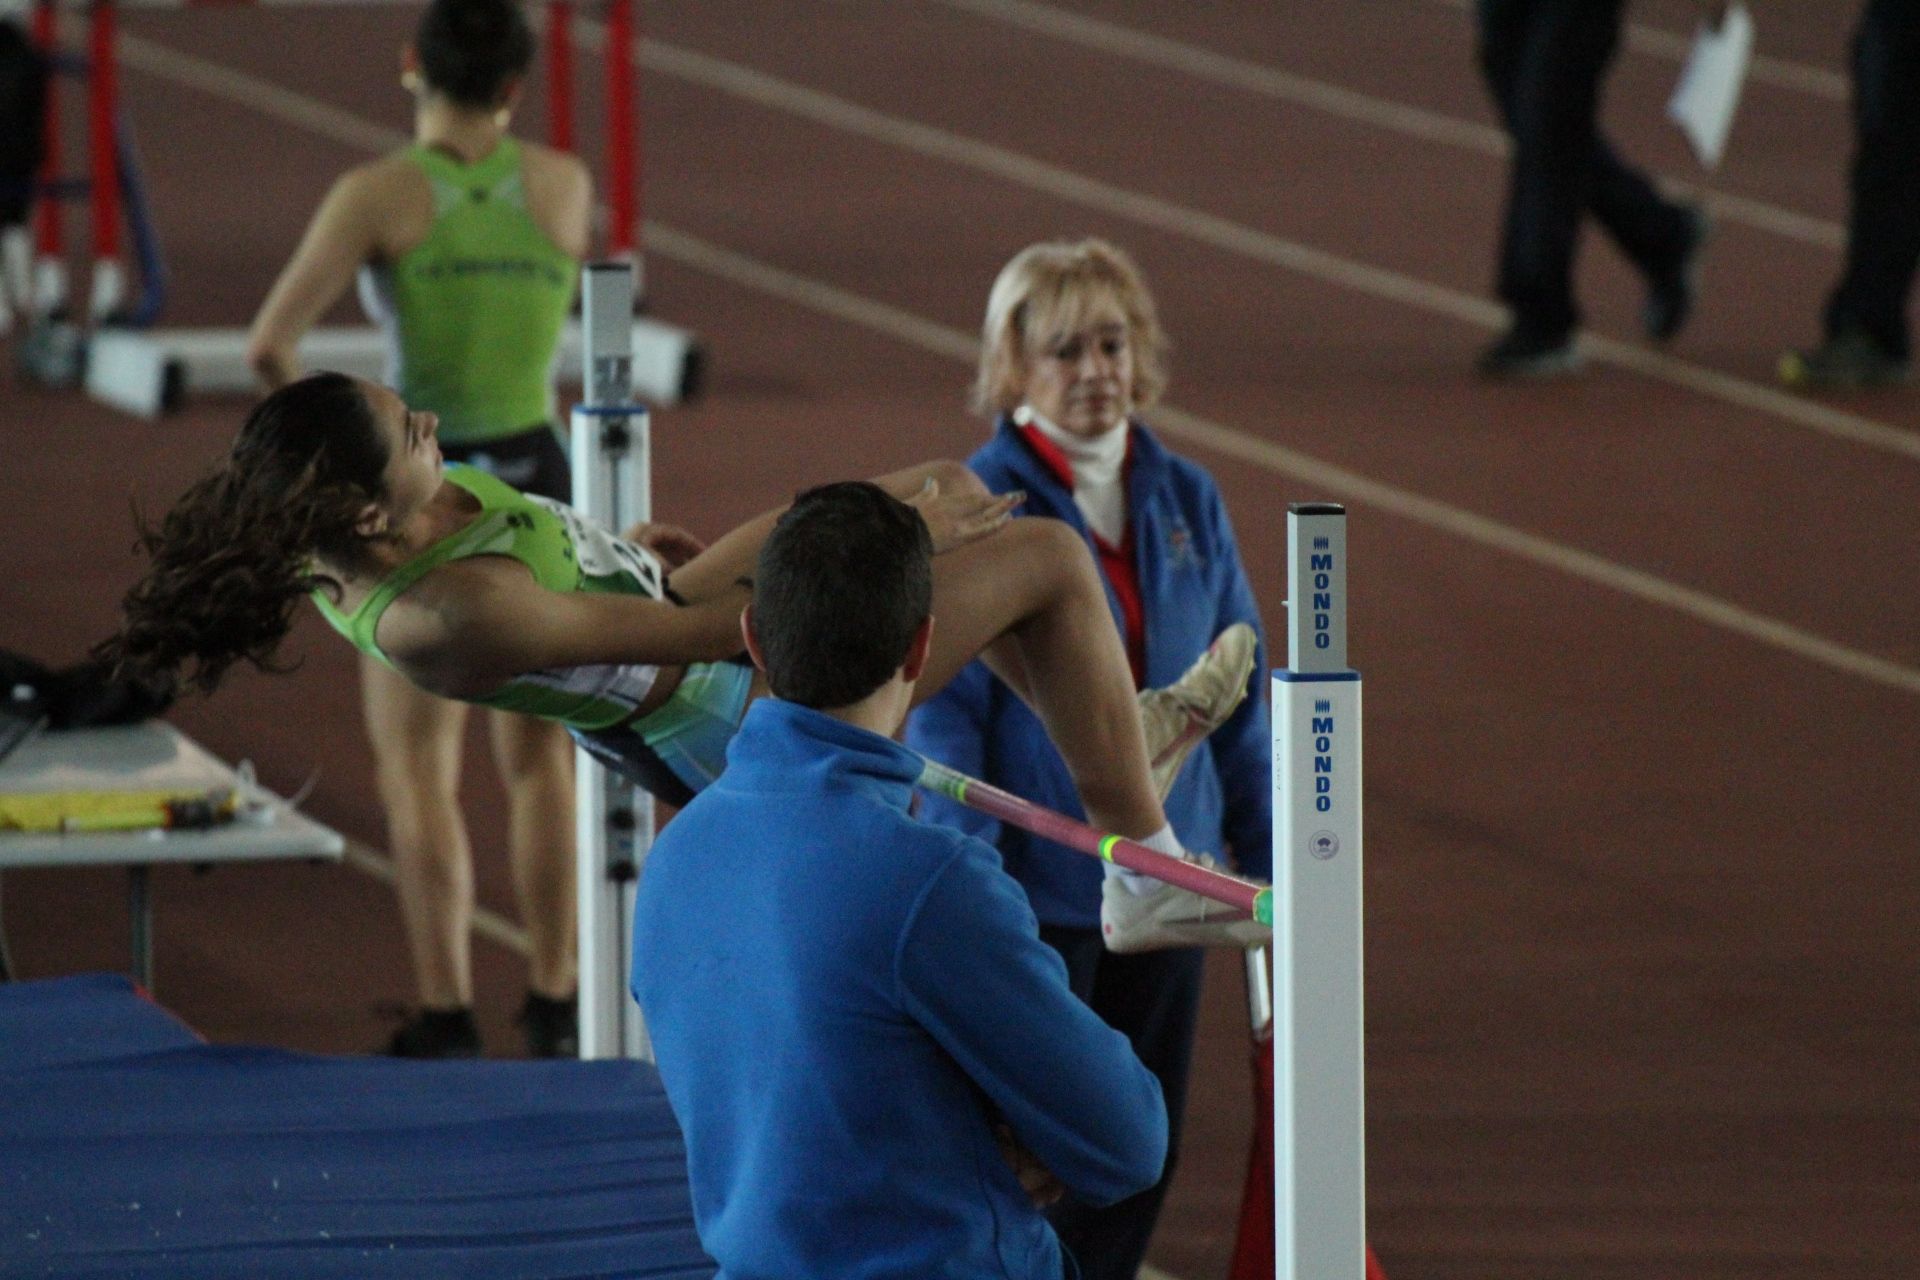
[1178, 716]
[1172, 917]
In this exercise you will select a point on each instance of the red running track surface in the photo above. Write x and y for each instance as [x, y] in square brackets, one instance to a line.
[1640, 648]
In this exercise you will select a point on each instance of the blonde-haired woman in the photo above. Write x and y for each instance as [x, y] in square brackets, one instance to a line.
[1072, 353]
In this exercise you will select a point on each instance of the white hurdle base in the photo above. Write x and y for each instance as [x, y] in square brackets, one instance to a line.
[149, 373]
[132, 372]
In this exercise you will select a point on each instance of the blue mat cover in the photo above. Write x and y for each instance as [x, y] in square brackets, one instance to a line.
[129, 1148]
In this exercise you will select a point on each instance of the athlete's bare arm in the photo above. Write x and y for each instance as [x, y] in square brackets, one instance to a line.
[371, 214]
[470, 626]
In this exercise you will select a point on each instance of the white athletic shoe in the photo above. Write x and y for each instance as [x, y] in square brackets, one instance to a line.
[1172, 917]
[1177, 717]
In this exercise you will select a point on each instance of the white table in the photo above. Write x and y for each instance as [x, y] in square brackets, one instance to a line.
[150, 756]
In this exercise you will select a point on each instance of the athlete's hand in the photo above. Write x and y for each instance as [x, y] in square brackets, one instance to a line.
[956, 519]
[674, 545]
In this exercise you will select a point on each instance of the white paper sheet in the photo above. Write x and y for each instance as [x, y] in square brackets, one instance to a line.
[1709, 87]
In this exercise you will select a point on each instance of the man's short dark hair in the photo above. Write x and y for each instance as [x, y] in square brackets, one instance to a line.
[844, 581]
[470, 49]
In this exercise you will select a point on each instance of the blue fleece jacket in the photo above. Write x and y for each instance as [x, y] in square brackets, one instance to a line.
[1192, 587]
[843, 1001]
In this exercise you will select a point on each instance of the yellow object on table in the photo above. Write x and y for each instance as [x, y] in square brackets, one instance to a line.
[115, 810]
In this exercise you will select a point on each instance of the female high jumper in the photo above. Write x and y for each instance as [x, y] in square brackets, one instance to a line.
[335, 489]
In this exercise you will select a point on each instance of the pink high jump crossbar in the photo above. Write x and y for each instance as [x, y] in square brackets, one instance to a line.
[1245, 896]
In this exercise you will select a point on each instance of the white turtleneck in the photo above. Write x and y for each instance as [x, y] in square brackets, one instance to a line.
[1099, 472]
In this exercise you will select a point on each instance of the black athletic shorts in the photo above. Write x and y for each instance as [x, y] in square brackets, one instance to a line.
[532, 461]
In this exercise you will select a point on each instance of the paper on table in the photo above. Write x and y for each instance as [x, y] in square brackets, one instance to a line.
[1709, 87]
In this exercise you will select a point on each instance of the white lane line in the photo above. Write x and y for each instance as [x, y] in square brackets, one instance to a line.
[1780, 73]
[1237, 73]
[1360, 108]
[1220, 233]
[244, 90]
[1333, 481]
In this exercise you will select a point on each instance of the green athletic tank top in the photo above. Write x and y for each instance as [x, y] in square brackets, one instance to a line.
[475, 311]
[564, 552]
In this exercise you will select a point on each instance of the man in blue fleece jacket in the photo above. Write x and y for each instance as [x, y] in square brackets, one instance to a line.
[871, 1053]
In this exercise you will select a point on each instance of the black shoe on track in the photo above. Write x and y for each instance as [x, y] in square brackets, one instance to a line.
[552, 1027]
[1672, 289]
[1524, 354]
[436, 1033]
[1849, 361]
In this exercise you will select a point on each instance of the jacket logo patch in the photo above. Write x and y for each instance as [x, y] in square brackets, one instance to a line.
[1180, 552]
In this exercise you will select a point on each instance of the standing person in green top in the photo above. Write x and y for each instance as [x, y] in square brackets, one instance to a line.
[468, 246]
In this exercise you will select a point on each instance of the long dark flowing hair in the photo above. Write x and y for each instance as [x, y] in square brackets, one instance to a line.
[238, 551]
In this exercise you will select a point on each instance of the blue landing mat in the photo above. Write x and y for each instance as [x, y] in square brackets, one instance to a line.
[94, 1018]
[128, 1148]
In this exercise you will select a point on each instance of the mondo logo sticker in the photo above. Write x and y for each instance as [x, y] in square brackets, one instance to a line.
[1323, 845]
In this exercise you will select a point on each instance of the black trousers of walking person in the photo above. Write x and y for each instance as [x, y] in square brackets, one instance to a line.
[1544, 61]
[1883, 225]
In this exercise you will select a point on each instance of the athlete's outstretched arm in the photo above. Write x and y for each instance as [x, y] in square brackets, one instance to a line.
[468, 627]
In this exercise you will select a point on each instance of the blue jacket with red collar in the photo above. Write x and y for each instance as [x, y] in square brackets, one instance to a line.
[1192, 587]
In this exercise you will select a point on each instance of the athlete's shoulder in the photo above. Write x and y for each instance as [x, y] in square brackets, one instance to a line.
[560, 195]
[555, 175]
[554, 163]
[385, 197]
[398, 170]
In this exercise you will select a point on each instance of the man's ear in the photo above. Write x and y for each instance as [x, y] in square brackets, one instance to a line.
[371, 522]
[746, 634]
[917, 651]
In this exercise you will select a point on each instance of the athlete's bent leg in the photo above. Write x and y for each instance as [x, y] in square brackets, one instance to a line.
[1034, 583]
[731, 557]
